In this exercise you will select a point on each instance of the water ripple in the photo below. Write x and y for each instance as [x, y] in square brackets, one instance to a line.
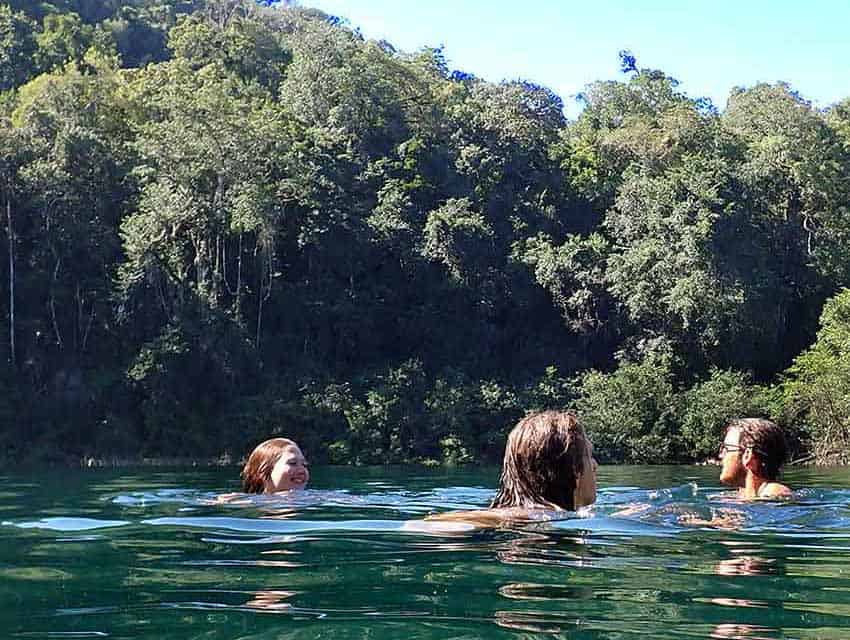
[147, 557]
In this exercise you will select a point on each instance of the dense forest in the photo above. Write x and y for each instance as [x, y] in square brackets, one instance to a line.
[225, 220]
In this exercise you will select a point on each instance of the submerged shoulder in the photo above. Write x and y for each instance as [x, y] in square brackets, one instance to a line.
[491, 517]
[477, 517]
[230, 498]
[775, 490]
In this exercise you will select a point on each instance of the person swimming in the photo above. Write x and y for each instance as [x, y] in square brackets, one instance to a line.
[548, 466]
[273, 466]
[751, 456]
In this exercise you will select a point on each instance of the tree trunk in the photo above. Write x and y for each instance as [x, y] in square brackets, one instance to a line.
[11, 233]
[51, 303]
[259, 318]
[264, 295]
[239, 280]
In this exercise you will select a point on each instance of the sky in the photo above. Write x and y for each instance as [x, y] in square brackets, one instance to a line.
[709, 46]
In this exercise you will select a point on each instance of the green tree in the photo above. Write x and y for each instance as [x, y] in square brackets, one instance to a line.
[63, 38]
[817, 386]
[662, 267]
[68, 189]
[197, 138]
[248, 46]
[139, 35]
[74, 134]
[17, 46]
[783, 240]
[709, 405]
[631, 414]
[646, 122]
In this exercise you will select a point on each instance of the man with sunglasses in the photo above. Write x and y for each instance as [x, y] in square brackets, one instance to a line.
[751, 455]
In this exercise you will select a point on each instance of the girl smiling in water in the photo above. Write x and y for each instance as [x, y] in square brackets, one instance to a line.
[273, 466]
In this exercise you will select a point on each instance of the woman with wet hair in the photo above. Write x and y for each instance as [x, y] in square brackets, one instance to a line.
[275, 465]
[548, 466]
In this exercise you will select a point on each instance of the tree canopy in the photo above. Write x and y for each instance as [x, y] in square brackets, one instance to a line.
[227, 219]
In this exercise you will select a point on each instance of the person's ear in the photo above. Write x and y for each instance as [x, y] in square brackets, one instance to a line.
[749, 460]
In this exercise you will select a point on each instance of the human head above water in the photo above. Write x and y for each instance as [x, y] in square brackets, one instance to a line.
[548, 464]
[764, 439]
[275, 465]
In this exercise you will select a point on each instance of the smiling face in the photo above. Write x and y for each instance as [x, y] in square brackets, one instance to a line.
[732, 472]
[289, 472]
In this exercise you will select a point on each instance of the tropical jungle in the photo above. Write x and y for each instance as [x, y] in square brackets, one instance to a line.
[224, 220]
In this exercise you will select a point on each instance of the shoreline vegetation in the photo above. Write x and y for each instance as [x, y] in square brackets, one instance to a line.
[223, 220]
[226, 460]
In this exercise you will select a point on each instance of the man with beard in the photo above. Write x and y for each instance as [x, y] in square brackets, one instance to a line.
[751, 455]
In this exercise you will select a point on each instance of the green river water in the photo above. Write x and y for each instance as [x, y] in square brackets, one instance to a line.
[148, 553]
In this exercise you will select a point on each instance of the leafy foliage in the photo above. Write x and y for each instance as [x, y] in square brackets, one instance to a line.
[817, 389]
[17, 47]
[630, 414]
[225, 219]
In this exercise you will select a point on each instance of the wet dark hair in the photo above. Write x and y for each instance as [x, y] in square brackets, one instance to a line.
[766, 439]
[544, 455]
[260, 463]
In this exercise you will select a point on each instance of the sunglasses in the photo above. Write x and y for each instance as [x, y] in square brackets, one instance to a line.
[732, 448]
[729, 448]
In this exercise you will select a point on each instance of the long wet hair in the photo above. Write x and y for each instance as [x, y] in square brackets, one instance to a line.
[544, 456]
[260, 463]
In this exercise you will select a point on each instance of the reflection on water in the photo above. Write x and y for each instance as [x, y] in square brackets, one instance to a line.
[746, 566]
[159, 555]
[271, 601]
[752, 631]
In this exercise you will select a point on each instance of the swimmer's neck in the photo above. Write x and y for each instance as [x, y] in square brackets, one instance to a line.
[752, 485]
[758, 487]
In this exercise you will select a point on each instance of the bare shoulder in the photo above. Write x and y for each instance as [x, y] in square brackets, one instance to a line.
[775, 490]
[483, 517]
[230, 498]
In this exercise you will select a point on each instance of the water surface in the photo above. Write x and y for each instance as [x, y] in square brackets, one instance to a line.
[665, 553]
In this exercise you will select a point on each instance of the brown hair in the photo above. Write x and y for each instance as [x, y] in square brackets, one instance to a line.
[544, 455]
[260, 463]
[766, 439]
